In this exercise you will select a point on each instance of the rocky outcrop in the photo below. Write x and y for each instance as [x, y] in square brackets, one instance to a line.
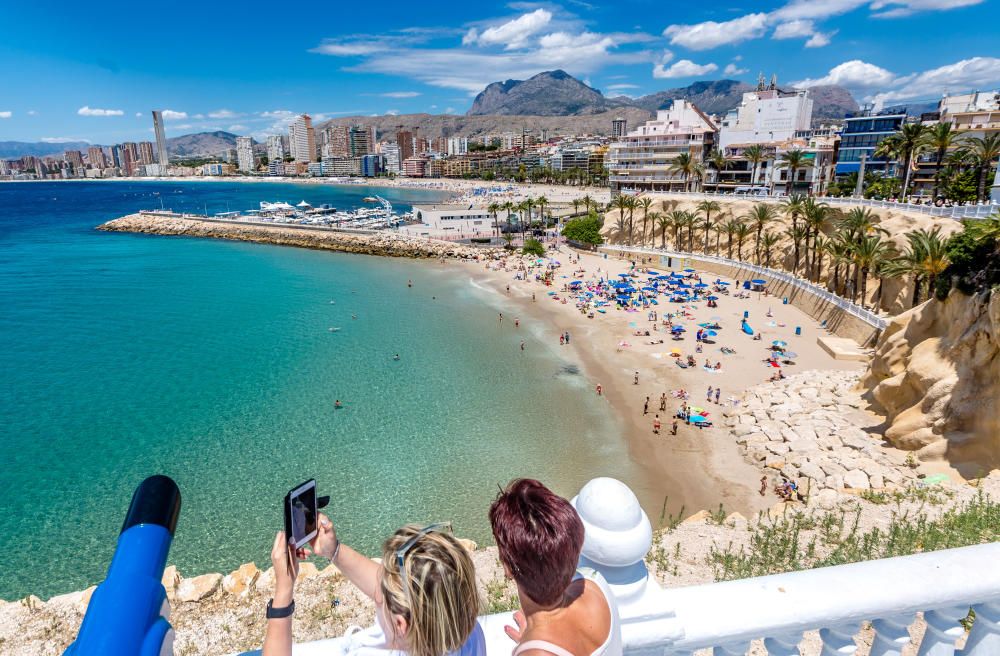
[811, 427]
[379, 243]
[936, 377]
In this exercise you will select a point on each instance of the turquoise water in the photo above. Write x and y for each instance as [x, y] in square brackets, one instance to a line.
[212, 362]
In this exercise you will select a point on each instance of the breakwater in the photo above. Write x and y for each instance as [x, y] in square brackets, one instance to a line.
[363, 242]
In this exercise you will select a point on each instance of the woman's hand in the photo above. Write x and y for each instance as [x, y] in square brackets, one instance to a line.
[285, 559]
[325, 542]
[522, 624]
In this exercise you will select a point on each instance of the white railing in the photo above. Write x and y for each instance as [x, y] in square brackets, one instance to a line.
[970, 211]
[869, 317]
[726, 617]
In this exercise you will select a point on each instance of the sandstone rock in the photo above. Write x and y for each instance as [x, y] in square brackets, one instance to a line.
[31, 602]
[876, 481]
[170, 580]
[198, 588]
[746, 419]
[826, 498]
[242, 580]
[265, 582]
[307, 571]
[743, 429]
[856, 479]
[777, 448]
[774, 462]
[76, 600]
[834, 482]
[469, 545]
[698, 517]
[813, 471]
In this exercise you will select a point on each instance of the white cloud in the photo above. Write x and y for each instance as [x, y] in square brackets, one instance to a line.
[171, 115]
[794, 29]
[449, 110]
[138, 114]
[900, 8]
[682, 68]
[854, 74]
[237, 128]
[93, 111]
[223, 113]
[279, 113]
[32, 112]
[59, 140]
[811, 9]
[513, 34]
[733, 69]
[392, 112]
[400, 94]
[619, 87]
[710, 34]
[964, 75]
[820, 39]
[6, 114]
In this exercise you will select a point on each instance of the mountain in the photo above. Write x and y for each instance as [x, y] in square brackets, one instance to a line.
[17, 149]
[557, 93]
[200, 144]
[552, 93]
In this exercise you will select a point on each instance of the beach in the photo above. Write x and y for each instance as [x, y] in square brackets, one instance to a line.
[698, 468]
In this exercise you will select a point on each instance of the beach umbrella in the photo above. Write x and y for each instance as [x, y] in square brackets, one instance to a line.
[678, 329]
[700, 285]
[697, 419]
[684, 285]
[649, 289]
[652, 273]
[689, 270]
[712, 333]
[724, 283]
[759, 282]
[705, 325]
[779, 342]
[713, 298]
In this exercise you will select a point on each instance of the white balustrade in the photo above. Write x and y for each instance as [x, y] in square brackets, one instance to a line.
[724, 618]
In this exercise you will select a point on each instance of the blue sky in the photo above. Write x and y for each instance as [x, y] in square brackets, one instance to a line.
[93, 70]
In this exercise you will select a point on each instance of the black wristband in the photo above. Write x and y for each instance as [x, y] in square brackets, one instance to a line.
[279, 613]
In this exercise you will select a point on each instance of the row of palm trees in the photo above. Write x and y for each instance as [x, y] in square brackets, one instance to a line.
[953, 150]
[524, 215]
[852, 244]
[693, 171]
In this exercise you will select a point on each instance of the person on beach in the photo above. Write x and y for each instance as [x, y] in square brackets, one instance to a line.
[409, 283]
[425, 595]
[600, 390]
[522, 344]
[645, 407]
[517, 322]
[636, 380]
[663, 402]
[532, 297]
[656, 425]
[539, 537]
[501, 317]
[562, 340]
[718, 390]
[709, 395]
[763, 485]
[567, 337]
[673, 426]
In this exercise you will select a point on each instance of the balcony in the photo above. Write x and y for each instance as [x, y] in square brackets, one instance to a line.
[726, 617]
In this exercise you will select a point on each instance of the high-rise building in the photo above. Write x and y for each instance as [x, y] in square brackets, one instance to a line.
[96, 157]
[275, 148]
[145, 150]
[302, 139]
[338, 141]
[361, 140]
[129, 156]
[74, 158]
[619, 127]
[244, 154]
[392, 160]
[404, 139]
[458, 145]
[161, 140]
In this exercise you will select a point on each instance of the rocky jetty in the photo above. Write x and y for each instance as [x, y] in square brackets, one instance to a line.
[386, 243]
[811, 426]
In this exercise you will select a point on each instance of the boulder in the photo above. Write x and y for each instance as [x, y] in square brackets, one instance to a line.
[697, 518]
[876, 481]
[307, 571]
[777, 448]
[825, 498]
[241, 581]
[75, 600]
[265, 582]
[198, 588]
[469, 545]
[813, 471]
[774, 462]
[834, 482]
[170, 580]
[857, 480]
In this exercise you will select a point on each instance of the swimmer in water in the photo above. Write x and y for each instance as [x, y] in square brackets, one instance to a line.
[409, 283]
[395, 357]
[354, 316]
[337, 404]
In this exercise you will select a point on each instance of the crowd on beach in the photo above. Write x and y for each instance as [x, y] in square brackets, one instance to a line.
[425, 593]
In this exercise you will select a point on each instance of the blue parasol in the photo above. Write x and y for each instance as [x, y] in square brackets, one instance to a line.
[700, 285]
[759, 282]
[689, 270]
[713, 298]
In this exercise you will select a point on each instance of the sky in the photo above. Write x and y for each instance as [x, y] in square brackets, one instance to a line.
[92, 71]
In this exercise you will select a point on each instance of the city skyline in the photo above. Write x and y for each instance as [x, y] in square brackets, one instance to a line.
[435, 61]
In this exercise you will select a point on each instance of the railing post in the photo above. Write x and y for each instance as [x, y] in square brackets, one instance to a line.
[783, 645]
[838, 641]
[891, 635]
[984, 638]
[943, 629]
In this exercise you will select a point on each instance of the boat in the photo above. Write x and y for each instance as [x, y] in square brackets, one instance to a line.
[370, 199]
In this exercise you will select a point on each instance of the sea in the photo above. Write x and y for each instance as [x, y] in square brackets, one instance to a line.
[218, 362]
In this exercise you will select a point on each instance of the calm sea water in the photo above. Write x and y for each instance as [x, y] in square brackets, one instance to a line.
[213, 362]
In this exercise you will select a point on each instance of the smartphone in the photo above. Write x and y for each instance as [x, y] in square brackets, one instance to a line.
[300, 513]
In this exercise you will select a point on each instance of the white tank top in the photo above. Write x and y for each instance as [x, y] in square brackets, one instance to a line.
[612, 644]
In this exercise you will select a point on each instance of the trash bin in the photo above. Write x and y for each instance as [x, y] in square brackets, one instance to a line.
[798, 330]
[746, 314]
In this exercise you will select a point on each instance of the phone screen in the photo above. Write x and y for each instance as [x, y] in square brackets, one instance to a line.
[300, 513]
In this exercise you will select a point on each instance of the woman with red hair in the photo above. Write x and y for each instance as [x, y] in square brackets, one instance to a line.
[564, 611]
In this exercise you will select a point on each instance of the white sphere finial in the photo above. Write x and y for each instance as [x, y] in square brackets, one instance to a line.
[618, 532]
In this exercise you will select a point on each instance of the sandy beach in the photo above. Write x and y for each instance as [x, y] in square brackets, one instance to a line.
[698, 468]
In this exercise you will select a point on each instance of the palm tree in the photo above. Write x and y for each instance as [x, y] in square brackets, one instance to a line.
[588, 201]
[493, 208]
[654, 217]
[730, 227]
[793, 160]
[677, 222]
[767, 242]
[742, 231]
[576, 206]
[663, 222]
[904, 145]
[686, 166]
[755, 155]
[821, 246]
[840, 253]
[620, 203]
[982, 152]
[719, 229]
[645, 202]
[816, 215]
[908, 263]
[934, 254]
[631, 205]
[690, 220]
[792, 207]
[719, 162]
[797, 234]
[706, 207]
[621, 226]
[542, 201]
[870, 254]
[761, 215]
[940, 137]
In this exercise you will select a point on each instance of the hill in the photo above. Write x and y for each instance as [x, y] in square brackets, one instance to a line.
[200, 144]
[552, 93]
[16, 149]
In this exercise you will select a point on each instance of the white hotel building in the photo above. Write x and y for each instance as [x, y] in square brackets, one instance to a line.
[767, 116]
[451, 221]
[644, 159]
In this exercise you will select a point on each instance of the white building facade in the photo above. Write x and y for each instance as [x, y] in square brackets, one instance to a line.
[767, 116]
[392, 161]
[275, 148]
[302, 139]
[244, 154]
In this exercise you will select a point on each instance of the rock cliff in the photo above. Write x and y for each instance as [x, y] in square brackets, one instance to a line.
[936, 377]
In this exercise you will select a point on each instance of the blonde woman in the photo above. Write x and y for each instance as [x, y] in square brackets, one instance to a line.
[424, 590]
